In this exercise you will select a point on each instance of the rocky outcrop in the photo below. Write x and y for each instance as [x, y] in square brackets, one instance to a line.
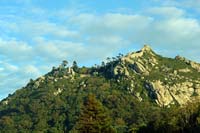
[142, 61]
[5, 102]
[160, 93]
[193, 64]
[121, 70]
[134, 55]
[57, 92]
[186, 70]
[140, 68]
[181, 93]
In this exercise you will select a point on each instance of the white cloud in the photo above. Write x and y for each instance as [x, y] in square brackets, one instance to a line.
[15, 50]
[173, 30]
[1, 68]
[167, 12]
[175, 33]
[8, 67]
[110, 23]
[14, 77]
[186, 4]
[58, 50]
[124, 22]
[41, 29]
[31, 70]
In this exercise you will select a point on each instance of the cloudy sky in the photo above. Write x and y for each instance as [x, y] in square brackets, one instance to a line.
[38, 34]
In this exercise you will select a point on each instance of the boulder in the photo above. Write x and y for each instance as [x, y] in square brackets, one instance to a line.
[165, 95]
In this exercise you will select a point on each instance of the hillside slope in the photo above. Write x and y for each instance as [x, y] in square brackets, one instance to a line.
[131, 93]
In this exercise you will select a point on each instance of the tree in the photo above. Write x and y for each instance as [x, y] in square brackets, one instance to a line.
[7, 124]
[61, 67]
[75, 66]
[108, 59]
[93, 117]
[53, 68]
[113, 58]
[31, 81]
[103, 64]
[120, 54]
[64, 63]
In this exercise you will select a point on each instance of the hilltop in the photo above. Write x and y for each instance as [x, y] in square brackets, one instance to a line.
[138, 92]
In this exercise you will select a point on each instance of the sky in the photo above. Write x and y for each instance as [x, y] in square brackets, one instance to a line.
[36, 35]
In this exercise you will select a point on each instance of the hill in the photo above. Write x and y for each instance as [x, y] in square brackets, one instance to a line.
[139, 92]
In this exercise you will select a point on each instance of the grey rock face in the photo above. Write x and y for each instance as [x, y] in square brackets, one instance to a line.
[171, 85]
[179, 93]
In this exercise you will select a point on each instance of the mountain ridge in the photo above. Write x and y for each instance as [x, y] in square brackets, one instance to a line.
[124, 84]
[142, 62]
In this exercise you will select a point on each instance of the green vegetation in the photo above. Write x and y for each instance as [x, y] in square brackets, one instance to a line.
[94, 100]
[93, 118]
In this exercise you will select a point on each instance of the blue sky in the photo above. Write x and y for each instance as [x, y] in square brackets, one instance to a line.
[38, 34]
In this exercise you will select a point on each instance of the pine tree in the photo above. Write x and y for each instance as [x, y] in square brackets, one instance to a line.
[75, 66]
[93, 117]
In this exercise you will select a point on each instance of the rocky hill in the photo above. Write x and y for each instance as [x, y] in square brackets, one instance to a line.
[131, 93]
